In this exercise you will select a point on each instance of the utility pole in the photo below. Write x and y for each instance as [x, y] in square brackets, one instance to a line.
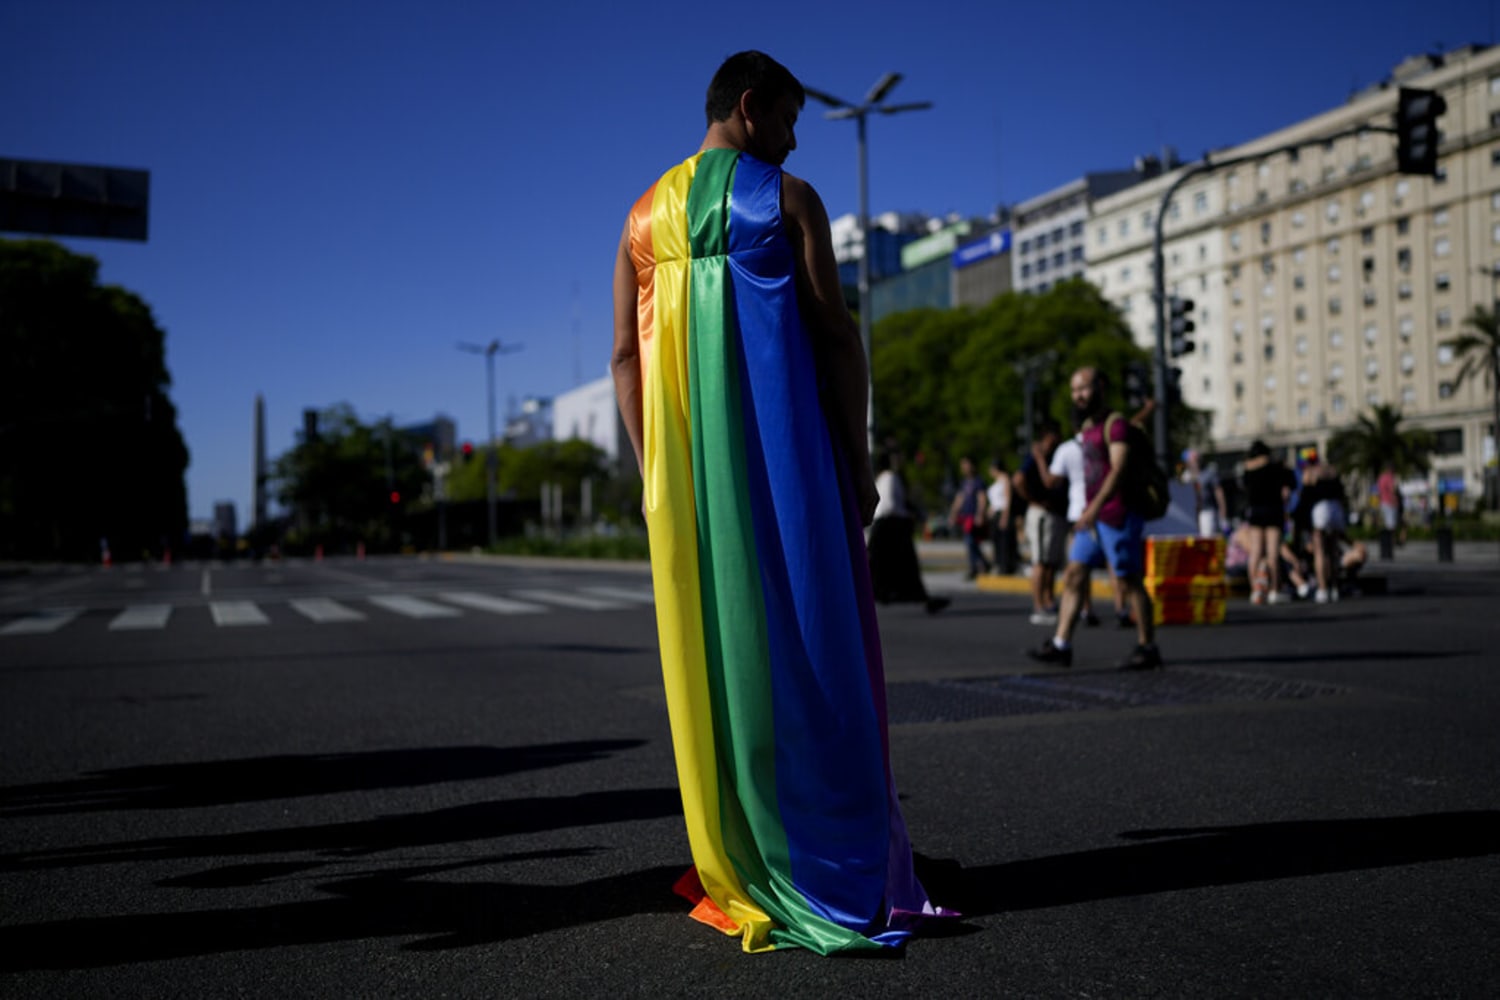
[491, 460]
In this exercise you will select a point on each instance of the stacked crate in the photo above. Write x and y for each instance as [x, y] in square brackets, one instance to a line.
[1185, 578]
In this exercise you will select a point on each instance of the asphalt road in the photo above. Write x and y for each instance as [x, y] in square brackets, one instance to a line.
[302, 780]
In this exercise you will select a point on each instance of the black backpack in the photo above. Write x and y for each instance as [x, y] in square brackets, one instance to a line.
[1144, 487]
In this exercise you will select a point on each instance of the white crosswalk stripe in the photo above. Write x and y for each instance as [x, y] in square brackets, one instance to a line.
[641, 596]
[237, 613]
[324, 609]
[413, 607]
[141, 616]
[488, 602]
[43, 621]
[564, 599]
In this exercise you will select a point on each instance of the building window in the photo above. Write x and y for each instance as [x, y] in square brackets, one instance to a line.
[1268, 290]
[1445, 390]
[1440, 175]
[1448, 441]
[1444, 318]
[1146, 222]
[1369, 296]
[1403, 225]
[1025, 271]
[1271, 418]
[1372, 398]
[1299, 255]
[1338, 404]
[1103, 235]
[1200, 202]
[1335, 306]
[1059, 259]
[1234, 239]
[1174, 211]
[1332, 211]
[1333, 272]
[1440, 217]
[1265, 232]
[1076, 228]
[1299, 219]
[1239, 390]
[1495, 85]
[1372, 333]
[1403, 290]
[1441, 247]
[1368, 267]
[1335, 372]
[1372, 368]
[1303, 409]
[1366, 201]
[1270, 383]
[1301, 345]
[1125, 273]
[1403, 188]
[1303, 377]
[1335, 338]
[1299, 313]
[1299, 282]
[1367, 236]
[1495, 234]
[1267, 322]
[1408, 395]
[1124, 228]
[1441, 281]
[1495, 201]
[1408, 362]
[1076, 253]
[1403, 259]
[1270, 352]
[1041, 265]
[1333, 246]
[1405, 326]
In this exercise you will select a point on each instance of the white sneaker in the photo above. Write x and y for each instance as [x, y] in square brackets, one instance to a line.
[1275, 597]
[1321, 596]
[1305, 591]
[1043, 618]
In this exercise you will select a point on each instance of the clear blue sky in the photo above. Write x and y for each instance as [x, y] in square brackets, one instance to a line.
[340, 192]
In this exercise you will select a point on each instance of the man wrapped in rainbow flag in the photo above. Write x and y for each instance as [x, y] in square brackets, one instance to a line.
[743, 386]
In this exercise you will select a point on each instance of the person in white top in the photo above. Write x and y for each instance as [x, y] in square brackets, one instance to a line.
[1002, 538]
[1067, 464]
[895, 573]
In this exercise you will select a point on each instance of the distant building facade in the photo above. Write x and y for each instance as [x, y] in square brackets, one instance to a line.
[590, 413]
[1050, 230]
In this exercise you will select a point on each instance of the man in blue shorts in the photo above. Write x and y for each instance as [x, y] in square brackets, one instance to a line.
[1106, 527]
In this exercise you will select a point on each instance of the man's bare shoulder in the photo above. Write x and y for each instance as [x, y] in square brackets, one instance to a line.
[798, 197]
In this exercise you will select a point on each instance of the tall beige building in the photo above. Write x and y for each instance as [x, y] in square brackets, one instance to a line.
[1325, 281]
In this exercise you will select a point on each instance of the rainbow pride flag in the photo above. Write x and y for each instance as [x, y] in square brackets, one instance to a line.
[770, 653]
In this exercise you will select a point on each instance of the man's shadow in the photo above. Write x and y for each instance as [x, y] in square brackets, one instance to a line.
[1199, 857]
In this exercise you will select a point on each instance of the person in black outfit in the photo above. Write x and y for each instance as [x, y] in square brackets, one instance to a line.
[1266, 484]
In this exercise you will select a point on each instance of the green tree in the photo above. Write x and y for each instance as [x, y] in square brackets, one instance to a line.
[950, 383]
[1376, 438]
[89, 444]
[1478, 348]
[352, 483]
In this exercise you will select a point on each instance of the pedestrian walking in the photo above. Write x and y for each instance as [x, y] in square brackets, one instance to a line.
[1107, 526]
[1266, 485]
[967, 514]
[895, 570]
[1046, 525]
[1001, 524]
[750, 435]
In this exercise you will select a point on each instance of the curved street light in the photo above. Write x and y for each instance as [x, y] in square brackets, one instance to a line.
[842, 109]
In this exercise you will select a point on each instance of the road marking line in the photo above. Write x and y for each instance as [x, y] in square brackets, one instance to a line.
[487, 602]
[207, 586]
[236, 613]
[142, 616]
[324, 609]
[412, 607]
[49, 620]
[567, 600]
[635, 596]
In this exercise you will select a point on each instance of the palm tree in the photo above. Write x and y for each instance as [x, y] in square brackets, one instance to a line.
[1377, 438]
[1479, 350]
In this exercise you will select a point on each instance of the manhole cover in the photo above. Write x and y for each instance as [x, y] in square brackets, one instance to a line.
[957, 700]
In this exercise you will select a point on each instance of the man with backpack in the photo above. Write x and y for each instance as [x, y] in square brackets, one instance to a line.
[1108, 524]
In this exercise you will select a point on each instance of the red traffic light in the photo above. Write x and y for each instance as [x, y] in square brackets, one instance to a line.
[395, 496]
[468, 449]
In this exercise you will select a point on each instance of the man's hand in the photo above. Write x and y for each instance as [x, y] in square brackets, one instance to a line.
[1085, 521]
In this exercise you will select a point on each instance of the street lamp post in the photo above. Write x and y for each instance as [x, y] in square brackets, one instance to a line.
[489, 351]
[843, 109]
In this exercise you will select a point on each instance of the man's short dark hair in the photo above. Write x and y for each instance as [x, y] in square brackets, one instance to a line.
[749, 70]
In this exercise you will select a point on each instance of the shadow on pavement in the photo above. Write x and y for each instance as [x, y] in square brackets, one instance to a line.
[210, 783]
[1172, 860]
[476, 821]
[403, 902]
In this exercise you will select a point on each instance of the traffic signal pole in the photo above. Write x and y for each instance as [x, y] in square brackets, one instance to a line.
[1412, 113]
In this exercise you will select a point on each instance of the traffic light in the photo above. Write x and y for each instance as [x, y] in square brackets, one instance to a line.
[1137, 385]
[1417, 113]
[468, 450]
[395, 497]
[1179, 326]
[1174, 386]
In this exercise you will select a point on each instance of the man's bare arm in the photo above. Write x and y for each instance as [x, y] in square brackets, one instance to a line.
[625, 361]
[836, 337]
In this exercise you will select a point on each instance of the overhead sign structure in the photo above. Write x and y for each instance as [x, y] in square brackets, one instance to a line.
[73, 199]
[996, 243]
